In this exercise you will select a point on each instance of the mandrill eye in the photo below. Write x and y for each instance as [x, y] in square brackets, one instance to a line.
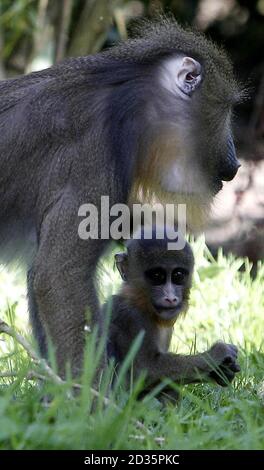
[178, 276]
[156, 276]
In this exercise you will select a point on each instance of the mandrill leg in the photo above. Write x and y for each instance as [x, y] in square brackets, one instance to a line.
[62, 286]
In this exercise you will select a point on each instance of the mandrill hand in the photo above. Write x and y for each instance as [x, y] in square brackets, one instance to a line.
[224, 357]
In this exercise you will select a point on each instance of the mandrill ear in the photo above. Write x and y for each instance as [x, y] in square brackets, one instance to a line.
[189, 74]
[121, 261]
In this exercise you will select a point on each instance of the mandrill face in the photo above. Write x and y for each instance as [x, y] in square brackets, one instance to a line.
[161, 278]
[191, 149]
[166, 285]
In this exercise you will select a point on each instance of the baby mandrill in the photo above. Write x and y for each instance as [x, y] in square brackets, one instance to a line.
[155, 291]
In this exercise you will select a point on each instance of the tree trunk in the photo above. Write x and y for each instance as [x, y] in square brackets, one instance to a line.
[91, 29]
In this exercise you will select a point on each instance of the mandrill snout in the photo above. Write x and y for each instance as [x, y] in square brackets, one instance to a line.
[170, 301]
[230, 165]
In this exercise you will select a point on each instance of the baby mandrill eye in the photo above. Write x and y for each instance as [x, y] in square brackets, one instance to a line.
[156, 276]
[178, 276]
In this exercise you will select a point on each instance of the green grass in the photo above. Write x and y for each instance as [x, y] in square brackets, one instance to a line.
[225, 304]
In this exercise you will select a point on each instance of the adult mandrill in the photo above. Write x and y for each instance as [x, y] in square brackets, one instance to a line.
[149, 116]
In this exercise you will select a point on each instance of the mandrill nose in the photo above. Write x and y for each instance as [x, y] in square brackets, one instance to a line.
[231, 164]
[171, 300]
